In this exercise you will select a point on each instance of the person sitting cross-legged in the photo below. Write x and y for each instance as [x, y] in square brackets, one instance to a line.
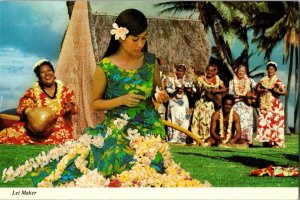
[225, 125]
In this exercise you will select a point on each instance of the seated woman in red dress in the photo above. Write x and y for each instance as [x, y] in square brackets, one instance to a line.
[45, 111]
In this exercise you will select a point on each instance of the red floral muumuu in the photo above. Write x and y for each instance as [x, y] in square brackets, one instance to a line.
[35, 97]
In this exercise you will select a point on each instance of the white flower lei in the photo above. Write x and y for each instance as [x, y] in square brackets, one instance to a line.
[119, 32]
[206, 85]
[236, 88]
[140, 175]
[229, 128]
[269, 82]
[266, 98]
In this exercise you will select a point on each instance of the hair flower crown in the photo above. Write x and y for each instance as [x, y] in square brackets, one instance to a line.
[271, 62]
[38, 63]
[119, 32]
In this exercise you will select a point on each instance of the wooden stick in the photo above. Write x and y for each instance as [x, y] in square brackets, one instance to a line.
[187, 132]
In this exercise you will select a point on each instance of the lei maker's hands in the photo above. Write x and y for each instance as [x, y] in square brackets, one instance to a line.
[131, 100]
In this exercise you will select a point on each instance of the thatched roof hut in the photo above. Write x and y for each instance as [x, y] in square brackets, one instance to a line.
[173, 40]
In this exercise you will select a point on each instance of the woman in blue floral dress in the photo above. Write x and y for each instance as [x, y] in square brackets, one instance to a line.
[127, 149]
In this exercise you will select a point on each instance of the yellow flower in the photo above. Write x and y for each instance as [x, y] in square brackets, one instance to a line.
[46, 184]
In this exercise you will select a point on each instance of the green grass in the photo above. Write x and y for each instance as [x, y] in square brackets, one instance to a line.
[222, 167]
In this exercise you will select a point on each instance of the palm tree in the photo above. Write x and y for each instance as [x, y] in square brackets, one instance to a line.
[219, 18]
[275, 22]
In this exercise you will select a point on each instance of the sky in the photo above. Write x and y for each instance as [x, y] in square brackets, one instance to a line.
[31, 30]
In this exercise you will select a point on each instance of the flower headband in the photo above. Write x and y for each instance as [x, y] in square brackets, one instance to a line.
[38, 63]
[272, 63]
[119, 32]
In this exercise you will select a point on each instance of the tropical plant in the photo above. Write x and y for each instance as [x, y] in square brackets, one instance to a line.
[223, 19]
[274, 22]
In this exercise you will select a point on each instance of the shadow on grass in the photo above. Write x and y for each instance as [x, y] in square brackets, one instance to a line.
[250, 161]
[292, 157]
[247, 161]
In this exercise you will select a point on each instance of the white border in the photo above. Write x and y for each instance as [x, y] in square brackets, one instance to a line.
[152, 193]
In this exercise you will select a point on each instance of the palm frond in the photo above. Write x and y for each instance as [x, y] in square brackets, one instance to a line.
[177, 7]
[275, 29]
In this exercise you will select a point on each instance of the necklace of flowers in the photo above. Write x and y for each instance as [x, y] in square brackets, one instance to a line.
[210, 85]
[55, 103]
[266, 98]
[245, 87]
[119, 32]
[229, 128]
[269, 82]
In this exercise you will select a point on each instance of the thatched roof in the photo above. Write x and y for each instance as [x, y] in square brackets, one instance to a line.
[174, 40]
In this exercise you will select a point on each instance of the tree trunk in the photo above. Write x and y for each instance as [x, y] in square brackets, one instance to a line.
[286, 127]
[296, 112]
[221, 53]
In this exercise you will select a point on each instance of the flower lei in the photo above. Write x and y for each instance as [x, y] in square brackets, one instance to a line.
[229, 128]
[245, 87]
[119, 32]
[266, 98]
[208, 85]
[141, 174]
[54, 104]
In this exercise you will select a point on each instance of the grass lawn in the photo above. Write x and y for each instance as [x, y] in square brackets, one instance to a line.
[222, 167]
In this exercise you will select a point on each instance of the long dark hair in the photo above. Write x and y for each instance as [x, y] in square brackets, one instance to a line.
[136, 23]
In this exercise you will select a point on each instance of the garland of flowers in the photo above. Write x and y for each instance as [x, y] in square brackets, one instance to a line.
[245, 87]
[266, 98]
[68, 150]
[210, 85]
[229, 128]
[54, 104]
[140, 175]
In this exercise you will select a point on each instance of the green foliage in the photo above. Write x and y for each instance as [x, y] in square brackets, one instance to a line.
[221, 167]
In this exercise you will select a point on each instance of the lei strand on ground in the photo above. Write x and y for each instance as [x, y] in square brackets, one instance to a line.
[229, 128]
[141, 174]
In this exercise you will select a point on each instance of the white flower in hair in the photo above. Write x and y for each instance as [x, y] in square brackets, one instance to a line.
[38, 63]
[119, 32]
